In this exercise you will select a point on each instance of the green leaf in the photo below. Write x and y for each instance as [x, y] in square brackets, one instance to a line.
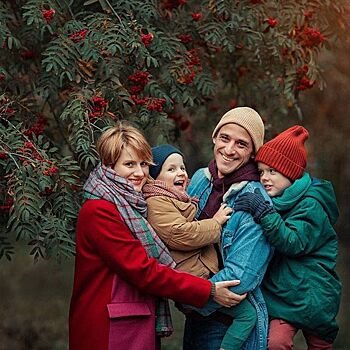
[90, 2]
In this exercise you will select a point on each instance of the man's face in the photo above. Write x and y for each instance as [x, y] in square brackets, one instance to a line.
[233, 147]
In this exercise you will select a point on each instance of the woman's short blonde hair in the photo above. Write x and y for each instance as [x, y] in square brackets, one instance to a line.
[114, 140]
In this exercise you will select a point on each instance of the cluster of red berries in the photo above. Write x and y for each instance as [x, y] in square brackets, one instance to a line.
[134, 90]
[30, 151]
[27, 54]
[155, 104]
[183, 123]
[98, 107]
[308, 14]
[309, 36]
[242, 71]
[272, 22]
[50, 171]
[7, 206]
[303, 81]
[188, 78]
[196, 16]
[185, 38]
[38, 128]
[78, 36]
[8, 111]
[194, 58]
[48, 15]
[140, 78]
[147, 39]
[151, 103]
[172, 4]
[5, 109]
[313, 37]
[47, 191]
[303, 69]
[75, 188]
[194, 64]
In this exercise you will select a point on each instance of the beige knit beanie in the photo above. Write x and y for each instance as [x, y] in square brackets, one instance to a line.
[248, 119]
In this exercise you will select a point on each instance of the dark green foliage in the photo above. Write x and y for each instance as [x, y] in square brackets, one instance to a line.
[70, 69]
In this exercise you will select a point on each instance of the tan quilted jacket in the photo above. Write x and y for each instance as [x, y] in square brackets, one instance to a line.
[190, 241]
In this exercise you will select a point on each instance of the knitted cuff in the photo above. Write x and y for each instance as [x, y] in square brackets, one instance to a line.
[263, 211]
[212, 290]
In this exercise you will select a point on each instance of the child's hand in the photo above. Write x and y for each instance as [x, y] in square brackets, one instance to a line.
[223, 214]
[253, 203]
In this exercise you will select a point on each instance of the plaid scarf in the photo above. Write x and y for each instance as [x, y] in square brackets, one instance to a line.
[160, 188]
[104, 183]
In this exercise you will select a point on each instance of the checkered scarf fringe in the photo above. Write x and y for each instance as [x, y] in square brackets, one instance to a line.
[104, 183]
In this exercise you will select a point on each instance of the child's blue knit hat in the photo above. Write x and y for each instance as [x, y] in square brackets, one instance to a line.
[160, 154]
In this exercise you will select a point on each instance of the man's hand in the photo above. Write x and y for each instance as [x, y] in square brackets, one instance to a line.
[224, 296]
[255, 204]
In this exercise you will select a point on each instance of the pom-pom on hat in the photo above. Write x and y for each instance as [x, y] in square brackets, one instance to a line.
[247, 118]
[286, 152]
[160, 154]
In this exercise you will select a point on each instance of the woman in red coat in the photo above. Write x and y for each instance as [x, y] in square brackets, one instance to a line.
[123, 272]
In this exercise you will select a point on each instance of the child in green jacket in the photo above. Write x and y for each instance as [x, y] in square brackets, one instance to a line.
[301, 287]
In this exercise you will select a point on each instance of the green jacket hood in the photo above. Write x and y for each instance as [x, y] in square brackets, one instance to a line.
[323, 192]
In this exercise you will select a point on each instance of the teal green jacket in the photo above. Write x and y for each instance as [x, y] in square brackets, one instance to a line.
[301, 285]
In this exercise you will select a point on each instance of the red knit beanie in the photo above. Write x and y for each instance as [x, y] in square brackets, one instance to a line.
[286, 152]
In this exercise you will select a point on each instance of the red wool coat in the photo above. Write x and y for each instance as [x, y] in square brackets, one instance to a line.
[116, 284]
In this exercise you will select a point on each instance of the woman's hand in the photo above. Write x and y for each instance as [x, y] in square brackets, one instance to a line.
[224, 296]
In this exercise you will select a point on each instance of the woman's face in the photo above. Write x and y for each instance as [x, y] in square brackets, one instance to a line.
[132, 167]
